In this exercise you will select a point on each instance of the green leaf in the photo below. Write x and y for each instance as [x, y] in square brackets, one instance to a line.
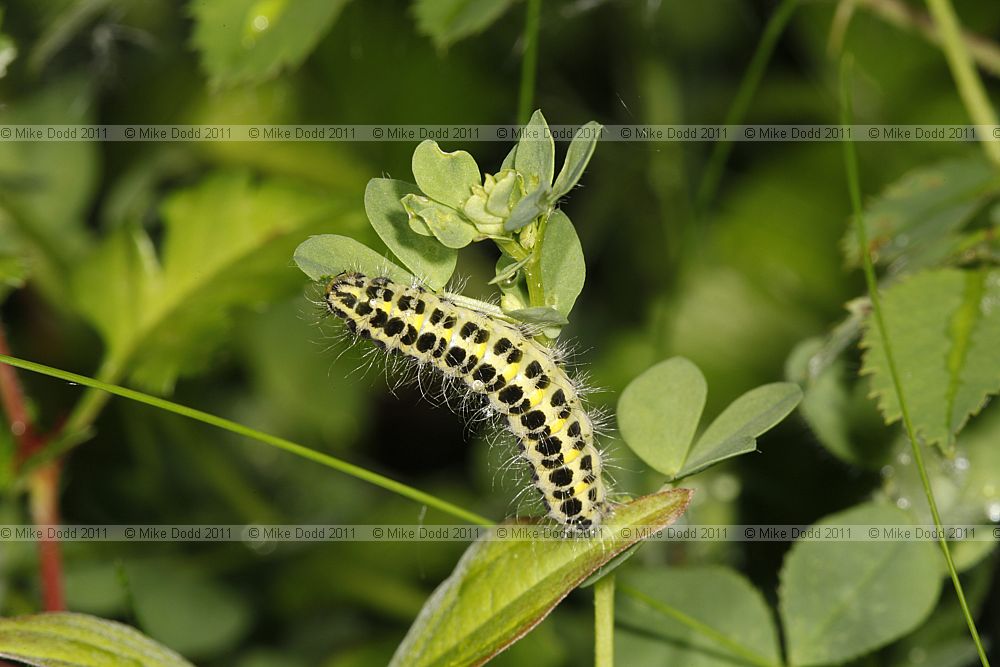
[563, 267]
[916, 216]
[328, 255]
[736, 430]
[425, 257]
[447, 21]
[501, 589]
[943, 325]
[716, 598]
[445, 177]
[13, 272]
[535, 156]
[540, 315]
[658, 413]
[8, 50]
[76, 640]
[226, 247]
[577, 156]
[243, 41]
[443, 222]
[529, 207]
[840, 599]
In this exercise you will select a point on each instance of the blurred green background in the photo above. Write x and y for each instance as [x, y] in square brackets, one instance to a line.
[734, 287]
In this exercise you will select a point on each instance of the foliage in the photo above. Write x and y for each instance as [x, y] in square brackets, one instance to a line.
[689, 276]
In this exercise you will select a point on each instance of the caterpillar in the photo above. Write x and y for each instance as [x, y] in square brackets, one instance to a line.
[519, 378]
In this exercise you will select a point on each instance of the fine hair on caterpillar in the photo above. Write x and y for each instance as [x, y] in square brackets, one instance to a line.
[493, 361]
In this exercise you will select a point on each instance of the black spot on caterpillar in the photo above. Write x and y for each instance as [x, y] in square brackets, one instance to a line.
[519, 378]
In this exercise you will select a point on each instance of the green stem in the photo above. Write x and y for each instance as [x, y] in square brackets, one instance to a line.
[748, 86]
[737, 649]
[970, 87]
[530, 61]
[234, 427]
[604, 622]
[854, 186]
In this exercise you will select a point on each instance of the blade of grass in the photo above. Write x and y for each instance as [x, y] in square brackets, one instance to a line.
[748, 86]
[854, 186]
[970, 87]
[529, 64]
[274, 441]
[604, 622]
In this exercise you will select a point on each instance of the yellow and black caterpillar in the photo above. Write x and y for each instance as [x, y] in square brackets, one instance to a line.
[519, 378]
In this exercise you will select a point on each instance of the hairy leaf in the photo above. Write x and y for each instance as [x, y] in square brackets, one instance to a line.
[501, 589]
[244, 41]
[840, 598]
[226, 246]
[650, 601]
[943, 326]
[76, 640]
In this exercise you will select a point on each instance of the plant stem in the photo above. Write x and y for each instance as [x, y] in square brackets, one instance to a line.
[970, 87]
[854, 186]
[737, 111]
[44, 482]
[699, 627]
[984, 51]
[287, 445]
[530, 61]
[604, 622]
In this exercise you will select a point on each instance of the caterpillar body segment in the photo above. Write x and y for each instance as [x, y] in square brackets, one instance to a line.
[519, 378]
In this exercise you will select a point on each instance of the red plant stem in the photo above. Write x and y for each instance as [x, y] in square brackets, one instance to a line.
[44, 484]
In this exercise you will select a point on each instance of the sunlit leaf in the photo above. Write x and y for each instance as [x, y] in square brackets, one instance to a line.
[424, 256]
[659, 411]
[577, 157]
[445, 177]
[736, 430]
[244, 41]
[327, 255]
[564, 269]
[840, 599]
[77, 640]
[501, 589]
[716, 597]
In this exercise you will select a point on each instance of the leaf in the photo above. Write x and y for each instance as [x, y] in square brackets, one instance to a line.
[244, 41]
[447, 21]
[658, 413]
[916, 215]
[535, 155]
[445, 223]
[501, 589]
[563, 267]
[8, 50]
[581, 149]
[841, 599]
[736, 430]
[527, 209]
[226, 247]
[76, 640]
[716, 597]
[425, 257]
[445, 177]
[328, 255]
[13, 272]
[943, 326]
[540, 315]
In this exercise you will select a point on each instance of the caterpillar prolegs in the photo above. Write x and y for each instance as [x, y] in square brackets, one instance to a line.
[519, 378]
